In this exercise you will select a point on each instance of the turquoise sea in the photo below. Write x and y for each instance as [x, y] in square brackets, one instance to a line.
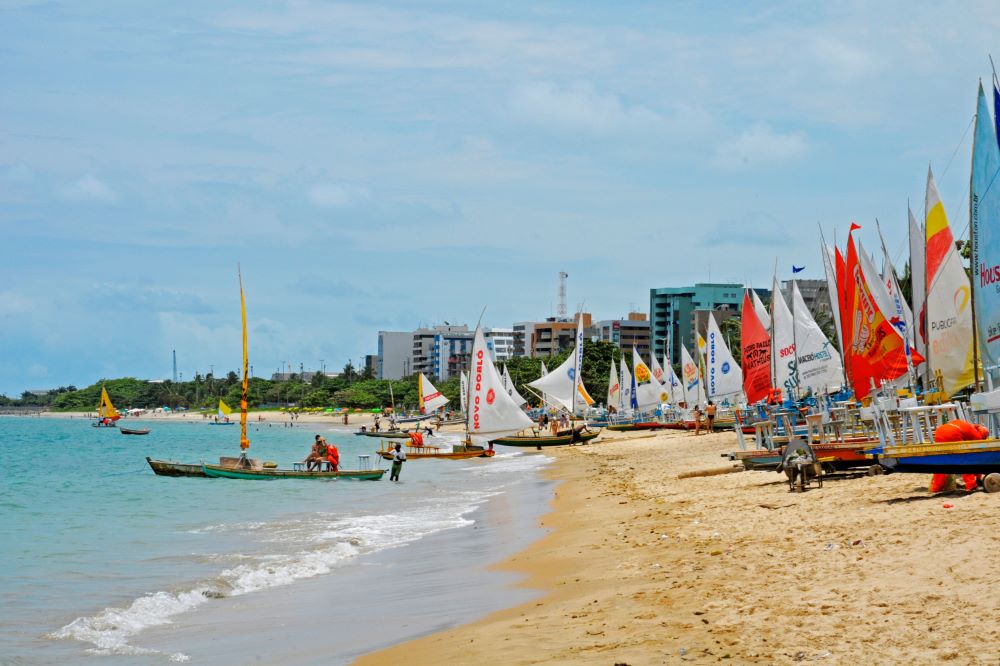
[103, 559]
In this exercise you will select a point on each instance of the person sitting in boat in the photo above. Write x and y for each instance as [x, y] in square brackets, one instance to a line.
[365, 429]
[332, 456]
[377, 425]
[313, 459]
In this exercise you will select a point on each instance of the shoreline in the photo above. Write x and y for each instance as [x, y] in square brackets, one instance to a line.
[641, 567]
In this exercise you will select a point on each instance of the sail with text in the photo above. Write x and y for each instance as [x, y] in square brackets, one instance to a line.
[429, 397]
[816, 358]
[648, 391]
[985, 226]
[784, 376]
[672, 382]
[902, 315]
[756, 346]
[492, 413]
[463, 384]
[949, 300]
[875, 348]
[626, 385]
[725, 378]
[918, 284]
[511, 389]
[614, 387]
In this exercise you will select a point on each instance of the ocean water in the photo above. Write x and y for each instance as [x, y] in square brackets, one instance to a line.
[102, 559]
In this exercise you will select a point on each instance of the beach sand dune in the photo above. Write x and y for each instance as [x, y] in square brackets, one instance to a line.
[643, 568]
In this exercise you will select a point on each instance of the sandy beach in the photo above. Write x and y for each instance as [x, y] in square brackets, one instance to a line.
[641, 567]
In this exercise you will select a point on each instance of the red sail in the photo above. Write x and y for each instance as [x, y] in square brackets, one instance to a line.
[874, 349]
[756, 345]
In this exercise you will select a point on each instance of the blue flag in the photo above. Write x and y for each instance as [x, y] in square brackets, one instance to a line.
[797, 269]
[996, 105]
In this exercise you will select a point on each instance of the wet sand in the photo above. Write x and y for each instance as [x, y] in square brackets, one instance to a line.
[644, 568]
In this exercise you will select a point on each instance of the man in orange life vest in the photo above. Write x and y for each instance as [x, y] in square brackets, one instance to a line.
[332, 456]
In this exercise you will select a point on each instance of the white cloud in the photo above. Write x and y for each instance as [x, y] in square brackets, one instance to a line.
[338, 195]
[760, 145]
[90, 188]
[580, 107]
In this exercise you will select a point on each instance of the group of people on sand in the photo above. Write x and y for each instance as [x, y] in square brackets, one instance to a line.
[710, 409]
[323, 452]
[555, 424]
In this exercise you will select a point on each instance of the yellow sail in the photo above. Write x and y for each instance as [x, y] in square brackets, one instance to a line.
[224, 409]
[107, 410]
[244, 442]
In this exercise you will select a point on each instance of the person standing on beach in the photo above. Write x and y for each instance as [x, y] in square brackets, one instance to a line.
[710, 415]
[697, 419]
[398, 458]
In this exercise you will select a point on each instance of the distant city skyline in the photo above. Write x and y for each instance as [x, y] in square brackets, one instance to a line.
[376, 166]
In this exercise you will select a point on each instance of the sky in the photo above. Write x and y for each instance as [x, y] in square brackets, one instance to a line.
[385, 166]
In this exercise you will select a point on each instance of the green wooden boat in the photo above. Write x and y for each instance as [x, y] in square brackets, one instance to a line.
[217, 472]
[538, 441]
[391, 434]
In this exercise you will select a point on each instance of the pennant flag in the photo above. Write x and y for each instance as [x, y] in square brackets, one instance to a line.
[797, 269]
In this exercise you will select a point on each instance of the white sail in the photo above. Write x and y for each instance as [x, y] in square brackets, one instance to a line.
[463, 383]
[725, 378]
[762, 313]
[690, 379]
[563, 386]
[918, 271]
[783, 374]
[829, 269]
[817, 359]
[492, 413]
[648, 391]
[545, 398]
[430, 398]
[614, 387]
[625, 382]
[672, 383]
[657, 369]
[511, 390]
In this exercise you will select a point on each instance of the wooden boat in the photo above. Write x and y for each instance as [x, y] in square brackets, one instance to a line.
[133, 431]
[975, 457]
[107, 415]
[390, 434]
[218, 472]
[170, 468]
[538, 440]
[432, 452]
[222, 423]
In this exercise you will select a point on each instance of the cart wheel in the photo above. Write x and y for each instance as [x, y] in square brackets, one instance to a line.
[991, 483]
[800, 482]
[876, 470]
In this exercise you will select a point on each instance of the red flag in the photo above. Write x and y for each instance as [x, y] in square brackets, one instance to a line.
[841, 269]
[756, 345]
[875, 351]
[854, 225]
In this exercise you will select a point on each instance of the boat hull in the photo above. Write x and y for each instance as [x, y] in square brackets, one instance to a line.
[549, 440]
[134, 431]
[232, 423]
[981, 457]
[216, 472]
[168, 468]
[385, 435]
[447, 455]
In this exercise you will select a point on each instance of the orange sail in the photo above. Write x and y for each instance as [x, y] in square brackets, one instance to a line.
[874, 348]
[756, 344]
[244, 442]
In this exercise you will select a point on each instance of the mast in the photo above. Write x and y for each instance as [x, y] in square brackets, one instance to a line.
[795, 342]
[972, 246]
[245, 386]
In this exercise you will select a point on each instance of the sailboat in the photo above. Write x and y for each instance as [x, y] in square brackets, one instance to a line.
[107, 415]
[246, 468]
[222, 415]
[564, 387]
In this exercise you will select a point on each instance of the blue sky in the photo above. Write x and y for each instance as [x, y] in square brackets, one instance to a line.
[390, 165]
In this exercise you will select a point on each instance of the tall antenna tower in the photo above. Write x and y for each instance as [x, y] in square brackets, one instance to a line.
[561, 309]
[175, 366]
